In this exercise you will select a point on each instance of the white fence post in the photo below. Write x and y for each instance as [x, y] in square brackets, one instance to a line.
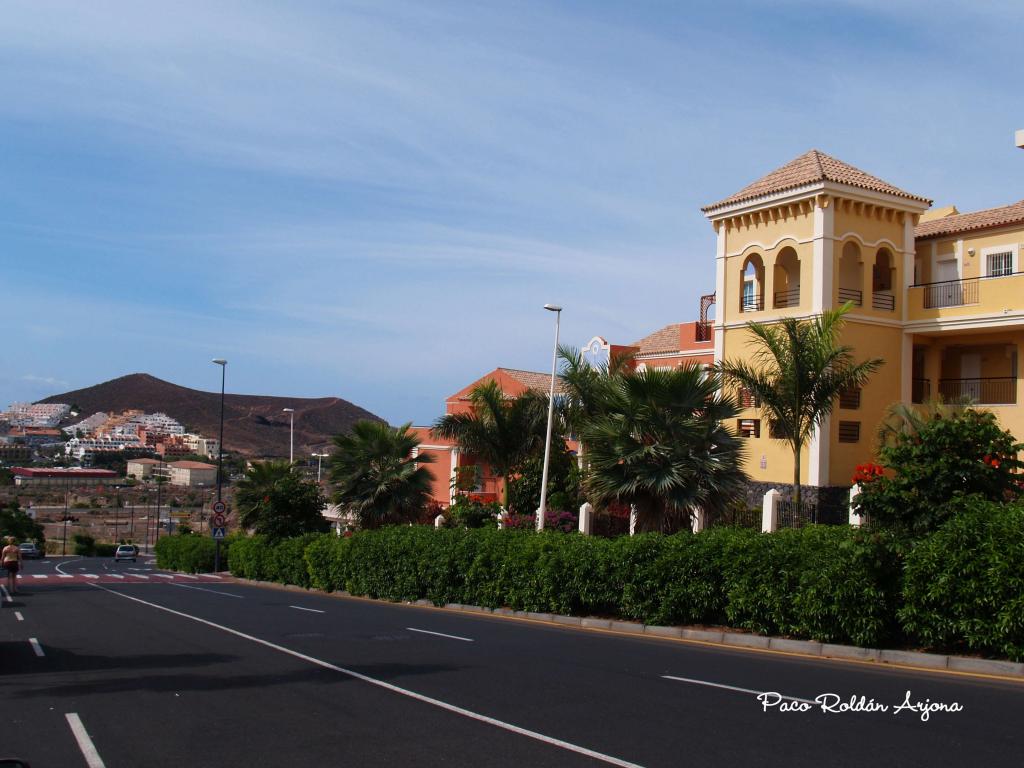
[439, 521]
[632, 519]
[770, 511]
[586, 518]
[855, 520]
[502, 518]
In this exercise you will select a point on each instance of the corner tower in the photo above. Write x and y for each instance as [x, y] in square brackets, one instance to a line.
[807, 237]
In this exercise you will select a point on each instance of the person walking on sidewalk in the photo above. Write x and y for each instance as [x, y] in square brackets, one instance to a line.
[10, 558]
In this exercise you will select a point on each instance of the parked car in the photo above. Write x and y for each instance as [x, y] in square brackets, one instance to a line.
[29, 551]
[125, 552]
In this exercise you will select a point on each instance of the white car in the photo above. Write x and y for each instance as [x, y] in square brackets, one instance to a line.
[125, 552]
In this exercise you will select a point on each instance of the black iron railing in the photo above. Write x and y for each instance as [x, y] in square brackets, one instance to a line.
[884, 301]
[852, 295]
[920, 390]
[790, 298]
[791, 516]
[955, 293]
[751, 304]
[985, 391]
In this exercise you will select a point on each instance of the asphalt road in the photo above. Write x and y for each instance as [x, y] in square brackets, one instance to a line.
[206, 672]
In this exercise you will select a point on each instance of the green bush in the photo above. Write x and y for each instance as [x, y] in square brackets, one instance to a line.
[964, 584]
[85, 545]
[193, 554]
[282, 560]
[104, 550]
[833, 584]
[944, 457]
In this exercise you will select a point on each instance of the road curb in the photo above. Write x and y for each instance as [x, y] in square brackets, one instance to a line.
[739, 641]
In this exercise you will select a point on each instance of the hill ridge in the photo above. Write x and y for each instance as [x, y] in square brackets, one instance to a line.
[253, 424]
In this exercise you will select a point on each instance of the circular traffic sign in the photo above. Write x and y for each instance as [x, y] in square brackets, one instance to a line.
[219, 507]
[218, 521]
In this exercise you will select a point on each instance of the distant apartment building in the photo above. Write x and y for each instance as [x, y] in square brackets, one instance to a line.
[87, 425]
[35, 414]
[201, 446]
[141, 469]
[186, 473]
[74, 477]
[85, 448]
[14, 452]
[159, 423]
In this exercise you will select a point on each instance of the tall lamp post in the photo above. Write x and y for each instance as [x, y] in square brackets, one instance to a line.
[67, 490]
[319, 458]
[551, 413]
[220, 452]
[291, 434]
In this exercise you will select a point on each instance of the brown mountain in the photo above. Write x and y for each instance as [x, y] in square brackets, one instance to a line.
[254, 425]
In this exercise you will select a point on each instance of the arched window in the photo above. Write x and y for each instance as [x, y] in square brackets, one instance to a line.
[752, 292]
[787, 279]
[850, 275]
[881, 281]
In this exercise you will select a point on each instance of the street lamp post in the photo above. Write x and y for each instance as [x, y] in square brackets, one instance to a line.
[220, 452]
[551, 413]
[67, 488]
[156, 531]
[291, 433]
[319, 457]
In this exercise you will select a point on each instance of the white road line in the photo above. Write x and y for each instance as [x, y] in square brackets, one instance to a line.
[92, 757]
[204, 589]
[66, 575]
[441, 634]
[40, 576]
[732, 688]
[7, 595]
[609, 759]
[115, 575]
[209, 576]
[138, 576]
[90, 575]
[18, 616]
[311, 610]
[164, 575]
[186, 576]
[36, 646]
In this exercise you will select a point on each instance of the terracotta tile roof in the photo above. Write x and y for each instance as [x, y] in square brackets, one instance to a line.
[663, 340]
[813, 166]
[965, 222]
[532, 380]
[191, 465]
[144, 461]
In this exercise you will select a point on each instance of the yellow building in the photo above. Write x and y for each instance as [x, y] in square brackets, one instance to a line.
[938, 295]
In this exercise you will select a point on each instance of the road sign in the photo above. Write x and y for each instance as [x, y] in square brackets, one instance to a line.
[218, 533]
[219, 507]
[218, 521]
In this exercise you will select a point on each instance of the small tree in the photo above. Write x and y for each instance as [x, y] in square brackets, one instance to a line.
[14, 521]
[276, 502]
[797, 372]
[376, 475]
[932, 462]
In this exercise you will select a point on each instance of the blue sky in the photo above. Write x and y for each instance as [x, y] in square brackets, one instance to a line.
[373, 200]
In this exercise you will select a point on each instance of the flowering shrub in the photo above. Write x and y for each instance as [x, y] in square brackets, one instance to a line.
[865, 473]
[947, 458]
[565, 522]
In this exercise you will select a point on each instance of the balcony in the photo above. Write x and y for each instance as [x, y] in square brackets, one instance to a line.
[1001, 390]
[920, 390]
[989, 294]
[751, 304]
[883, 301]
[785, 299]
[851, 295]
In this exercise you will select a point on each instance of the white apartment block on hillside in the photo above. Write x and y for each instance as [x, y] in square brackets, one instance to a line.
[159, 423]
[88, 424]
[45, 415]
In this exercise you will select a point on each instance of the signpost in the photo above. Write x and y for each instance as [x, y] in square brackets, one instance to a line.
[218, 533]
[218, 524]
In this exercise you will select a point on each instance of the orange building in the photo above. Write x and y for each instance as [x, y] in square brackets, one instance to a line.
[669, 347]
[449, 461]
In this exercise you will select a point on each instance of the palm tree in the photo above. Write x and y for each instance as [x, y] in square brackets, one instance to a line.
[376, 475]
[585, 387]
[502, 431]
[796, 373]
[901, 419]
[656, 441]
[255, 487]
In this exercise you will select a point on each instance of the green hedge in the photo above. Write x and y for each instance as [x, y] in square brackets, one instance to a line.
[961, 589]
[192, 553]
[831, 584]
[964, 584]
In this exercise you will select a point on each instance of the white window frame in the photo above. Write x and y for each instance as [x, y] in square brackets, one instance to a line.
[1011, 248]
